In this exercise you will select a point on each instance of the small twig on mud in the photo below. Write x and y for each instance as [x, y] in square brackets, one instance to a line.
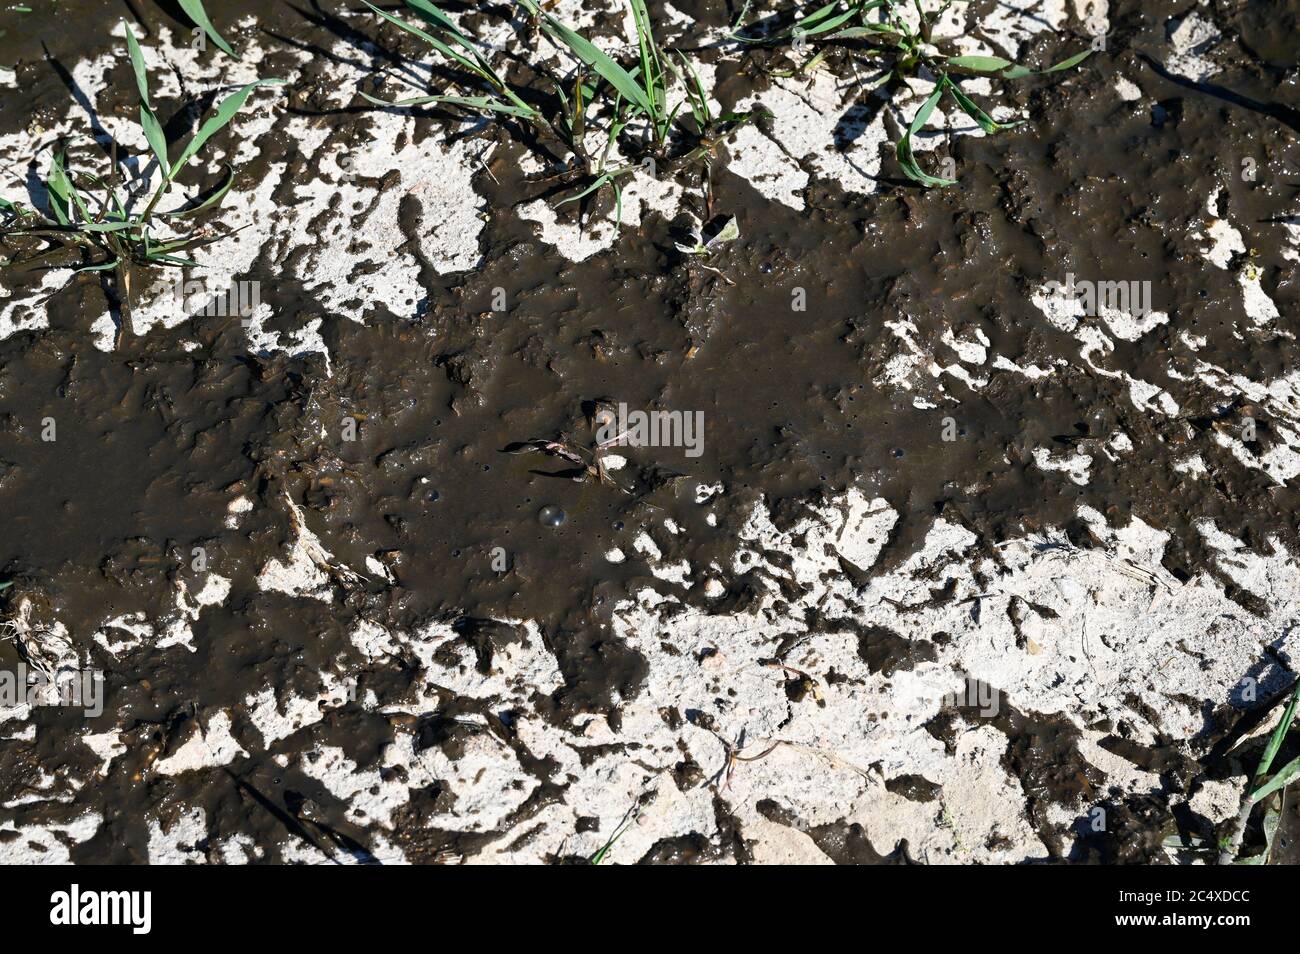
[313, 548]
[734, 753]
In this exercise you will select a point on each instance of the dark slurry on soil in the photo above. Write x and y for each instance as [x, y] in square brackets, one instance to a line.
[155, 440]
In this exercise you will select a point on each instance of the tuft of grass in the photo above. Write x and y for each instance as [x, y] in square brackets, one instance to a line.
[1259, 790]
[595, 92]
[106, 220]
[448, 40]
[877, 29]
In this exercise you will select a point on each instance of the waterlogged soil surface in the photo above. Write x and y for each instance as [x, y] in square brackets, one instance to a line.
[960, 570]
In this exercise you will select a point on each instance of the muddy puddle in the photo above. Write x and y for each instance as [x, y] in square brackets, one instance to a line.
[364, 585]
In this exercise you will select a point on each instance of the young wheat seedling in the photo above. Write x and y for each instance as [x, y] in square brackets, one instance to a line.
[878, 29]
[105, 222]
[622, 95]
[1258, 790]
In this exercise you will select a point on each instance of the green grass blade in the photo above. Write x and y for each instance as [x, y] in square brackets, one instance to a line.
[101, 267]
[432, 15]
[601, 180]
[153, 132]
[217, 121]
[1279, 733]
[410, 28]
[1018, 72]
[593, 57]
[906, 159]
[818, 15]
[174, 260]
[699, 99]
[1285, 776]
[969, 107]
[475, 62]
[619, 831]
[137, 64]
[806, 29]
[485, 103]
[1068, 62]
[217, 195]
[980, 64]
[823, 20]
[194, 10]
[427, 37]
[60, 190]
[476, 65]
[106, 226]
[853, 33]
[652, 69]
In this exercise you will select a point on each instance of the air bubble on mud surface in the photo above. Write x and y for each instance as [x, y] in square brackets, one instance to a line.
[551, 516]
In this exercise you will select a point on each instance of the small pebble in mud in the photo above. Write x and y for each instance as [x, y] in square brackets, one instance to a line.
[433, 496]
[551, 516]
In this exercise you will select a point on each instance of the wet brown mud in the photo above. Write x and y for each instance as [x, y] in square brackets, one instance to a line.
[156, 440]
